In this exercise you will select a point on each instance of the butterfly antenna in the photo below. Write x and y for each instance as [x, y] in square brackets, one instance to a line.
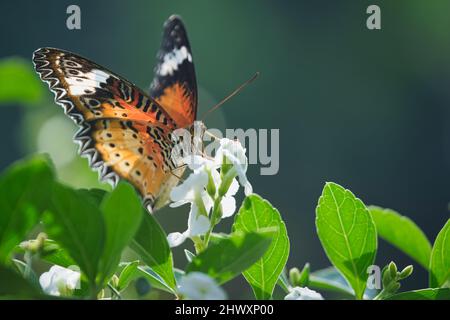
[235, 92]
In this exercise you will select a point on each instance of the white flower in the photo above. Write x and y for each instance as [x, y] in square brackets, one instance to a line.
[234, 154]
[199, 286]
[59, 281]
[298, 293]
[192, 191]
[205, 187]
[210, 166]
[197, 225]
[196, 162]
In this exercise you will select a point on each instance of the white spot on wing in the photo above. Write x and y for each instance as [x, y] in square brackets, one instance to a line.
[173, 59]
[89, 80]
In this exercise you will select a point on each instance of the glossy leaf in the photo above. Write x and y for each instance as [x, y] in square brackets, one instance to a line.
[255, 215]
[18, 82]
[347, 233]
[440, 259]
[122, 213]
[423, 294]
[129, 272]
[229, 257]
[150, 243]
[25, 189]
[403, 233]
[77, 225]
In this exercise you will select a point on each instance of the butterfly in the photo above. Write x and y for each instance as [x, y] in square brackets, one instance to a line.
[126, 133]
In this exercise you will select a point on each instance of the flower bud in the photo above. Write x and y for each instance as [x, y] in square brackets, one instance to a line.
[226, 181]
[115, 281]
[406, 272]
[101, 294]
[294, 277]
[34, 245]
[304, 276]
[211, 186]
[393, 270]
[386, 277]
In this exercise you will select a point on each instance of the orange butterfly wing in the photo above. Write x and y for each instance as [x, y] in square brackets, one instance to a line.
[124, 133]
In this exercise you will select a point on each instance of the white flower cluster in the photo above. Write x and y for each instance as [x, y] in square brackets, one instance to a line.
[210, 189]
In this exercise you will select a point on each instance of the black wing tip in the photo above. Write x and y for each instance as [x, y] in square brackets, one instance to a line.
[174, 18]
[172, 21]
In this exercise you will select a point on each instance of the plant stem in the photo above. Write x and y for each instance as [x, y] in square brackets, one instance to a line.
[215, 218]
[28, 257]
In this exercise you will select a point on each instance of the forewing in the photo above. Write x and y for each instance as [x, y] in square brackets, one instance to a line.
[124, 133]
[89, 92]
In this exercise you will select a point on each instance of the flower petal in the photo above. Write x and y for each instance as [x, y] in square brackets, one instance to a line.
[175, 239]
[199, 286]
[197, 224]
[305, 293]
[234, 187]
[196, 162]
[59, 280]
[196, 182]
[228, 206]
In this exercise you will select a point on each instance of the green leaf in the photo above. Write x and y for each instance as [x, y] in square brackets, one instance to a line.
[347, 233]
[283, 281]
[77, 225]
[122, 213]
[423, 294]
[54, 254]
[403, 233]
[25, 188]
[50, 252]
[14, 286]
[255, 215]
[229, 257]
[155, 280]
[18, 82]
[150, 243]
[96, 195]
[330, 279]
[129, 272]
[440, 259]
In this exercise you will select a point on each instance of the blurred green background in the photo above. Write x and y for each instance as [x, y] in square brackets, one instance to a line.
[366, 109]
